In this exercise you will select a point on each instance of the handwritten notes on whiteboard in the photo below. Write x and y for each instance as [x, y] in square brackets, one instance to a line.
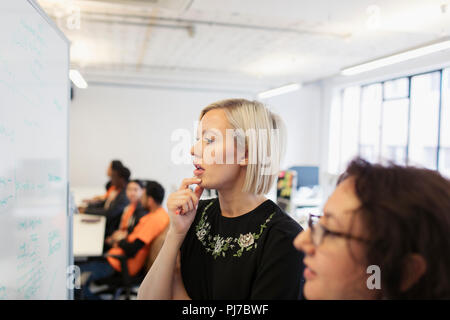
[34, 100]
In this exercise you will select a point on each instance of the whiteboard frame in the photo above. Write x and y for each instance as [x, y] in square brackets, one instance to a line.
[52, 24]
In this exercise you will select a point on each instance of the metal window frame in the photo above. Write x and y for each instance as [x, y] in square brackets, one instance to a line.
[383, 100]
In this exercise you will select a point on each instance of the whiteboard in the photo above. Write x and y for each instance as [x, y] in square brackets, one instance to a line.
[34, 99]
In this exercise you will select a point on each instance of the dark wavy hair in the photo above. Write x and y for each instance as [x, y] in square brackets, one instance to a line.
[405, 210]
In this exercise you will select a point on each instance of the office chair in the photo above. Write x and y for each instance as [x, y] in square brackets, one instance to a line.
[122, 282]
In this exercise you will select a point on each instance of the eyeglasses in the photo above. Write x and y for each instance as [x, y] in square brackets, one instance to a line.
[319, 232]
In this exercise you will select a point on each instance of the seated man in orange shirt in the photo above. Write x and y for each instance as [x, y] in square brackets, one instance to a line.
[135, 246]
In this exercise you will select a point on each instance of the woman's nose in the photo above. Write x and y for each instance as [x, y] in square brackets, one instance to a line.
[303, 242]
[196, 149]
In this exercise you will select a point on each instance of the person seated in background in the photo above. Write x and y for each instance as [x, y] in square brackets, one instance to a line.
[131, 214]
[114, 165]
[384, 234]
[113, 206]
[134, 246]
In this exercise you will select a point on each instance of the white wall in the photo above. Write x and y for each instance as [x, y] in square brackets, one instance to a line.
[135, 125]
[301, 112]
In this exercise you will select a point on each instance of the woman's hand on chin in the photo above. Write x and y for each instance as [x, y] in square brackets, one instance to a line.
[182, 206]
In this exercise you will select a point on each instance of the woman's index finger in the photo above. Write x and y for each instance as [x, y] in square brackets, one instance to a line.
[188, 181]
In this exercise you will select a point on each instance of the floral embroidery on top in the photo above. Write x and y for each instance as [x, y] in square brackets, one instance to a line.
[218, 245]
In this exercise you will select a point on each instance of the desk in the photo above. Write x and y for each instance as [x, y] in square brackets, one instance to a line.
[88, 235]
[301, 215]
[307, 203]
[81, 193]
[302, 207]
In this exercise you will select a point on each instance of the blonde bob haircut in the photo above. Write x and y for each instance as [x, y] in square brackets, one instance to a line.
[264, 134]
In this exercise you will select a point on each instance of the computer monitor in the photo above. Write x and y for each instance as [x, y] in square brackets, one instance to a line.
[307, 176]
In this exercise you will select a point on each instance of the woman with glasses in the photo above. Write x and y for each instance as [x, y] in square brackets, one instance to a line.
[384, 234]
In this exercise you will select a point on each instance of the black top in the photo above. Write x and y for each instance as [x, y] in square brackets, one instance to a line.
[247, 257]
[112, 214]
[138, 213]
[131, 248]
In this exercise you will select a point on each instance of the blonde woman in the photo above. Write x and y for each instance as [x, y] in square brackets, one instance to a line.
[238, 245]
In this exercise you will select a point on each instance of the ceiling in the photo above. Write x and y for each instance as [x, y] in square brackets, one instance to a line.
[245, 44]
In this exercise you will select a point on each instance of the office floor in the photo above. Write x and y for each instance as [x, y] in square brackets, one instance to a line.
[96, 288]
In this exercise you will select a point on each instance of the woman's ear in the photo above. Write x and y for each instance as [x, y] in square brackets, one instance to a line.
[414, 268]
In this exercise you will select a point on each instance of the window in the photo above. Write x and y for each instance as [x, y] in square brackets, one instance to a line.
[404, 120]
[395, 89]
[424, 119]
[394, 135]
[369, 131]
[444, 142]
[334, 144]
